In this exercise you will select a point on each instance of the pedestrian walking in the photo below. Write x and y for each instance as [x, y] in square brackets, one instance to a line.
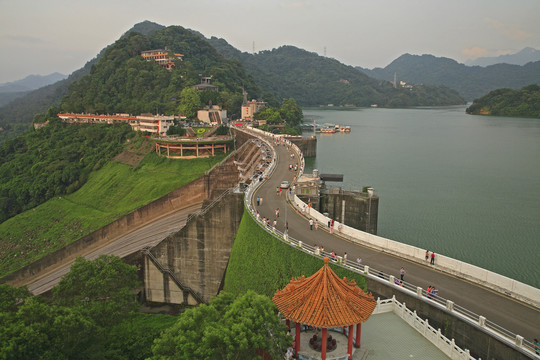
[358, 260]
[310, 224]
[345, 258]
[261, 200]
[427, 255]
[432, 258]
[277, 212]
[402, 273]
[537, 346]
[258, 201]
[280, 189]
[329, 223]
[316, 225]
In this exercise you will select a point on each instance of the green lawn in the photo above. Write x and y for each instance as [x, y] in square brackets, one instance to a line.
[111, 192]
[262, 263]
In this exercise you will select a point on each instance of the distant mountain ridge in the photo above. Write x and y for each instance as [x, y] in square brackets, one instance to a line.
[281, 73]
[314, 80]
[470, 81]
[10, 91]
[522, 57]
[31, 82]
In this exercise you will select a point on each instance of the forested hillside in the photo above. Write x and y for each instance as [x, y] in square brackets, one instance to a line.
[508, 102]
[289, 72]
[16, 116]
[53, 161]
[471, 82]
[123, 82]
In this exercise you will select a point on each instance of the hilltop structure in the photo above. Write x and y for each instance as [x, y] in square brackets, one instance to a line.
[205, 84]
[165, 58]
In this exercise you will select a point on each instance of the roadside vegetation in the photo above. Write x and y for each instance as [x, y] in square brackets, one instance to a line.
[261, 263]
[110, 193]
[91, 315]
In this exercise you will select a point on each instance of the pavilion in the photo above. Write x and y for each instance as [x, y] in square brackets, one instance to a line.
[325, 301]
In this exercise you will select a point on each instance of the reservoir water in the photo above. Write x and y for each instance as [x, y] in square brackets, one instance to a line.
[463, 186]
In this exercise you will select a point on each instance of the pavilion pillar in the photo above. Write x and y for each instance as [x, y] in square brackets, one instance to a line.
[181, 150]
[349, 345]
[288, 323]
[358, 335]
[323, 345]
[297, 338]
[197, 149]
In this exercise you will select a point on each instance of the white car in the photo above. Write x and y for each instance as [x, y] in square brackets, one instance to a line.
[284, 185]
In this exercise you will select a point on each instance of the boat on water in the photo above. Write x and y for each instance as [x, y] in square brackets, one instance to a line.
[345, 129]
[327, 130]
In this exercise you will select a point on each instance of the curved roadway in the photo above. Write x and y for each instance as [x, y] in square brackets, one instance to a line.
[512, 315]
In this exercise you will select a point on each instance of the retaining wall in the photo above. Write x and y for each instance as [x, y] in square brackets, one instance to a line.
[220, 177]
[197, 255]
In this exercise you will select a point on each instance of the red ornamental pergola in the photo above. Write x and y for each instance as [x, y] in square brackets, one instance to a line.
[325, 301]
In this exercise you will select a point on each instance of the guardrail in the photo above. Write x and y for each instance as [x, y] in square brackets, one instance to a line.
[504, 335]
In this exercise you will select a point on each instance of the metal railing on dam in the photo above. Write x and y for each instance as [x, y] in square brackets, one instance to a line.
[514, 340]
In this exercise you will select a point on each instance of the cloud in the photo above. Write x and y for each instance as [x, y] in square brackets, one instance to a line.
[24, 41]
[294, 4]
[474, 52]
[510, 31]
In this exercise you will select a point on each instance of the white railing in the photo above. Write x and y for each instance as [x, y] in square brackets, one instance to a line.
[505, 336]
[447, 346]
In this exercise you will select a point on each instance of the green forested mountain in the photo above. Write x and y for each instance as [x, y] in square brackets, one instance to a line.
[471, 82]
[508, 102]
[17, 114]
[289, 72]
[123, 82]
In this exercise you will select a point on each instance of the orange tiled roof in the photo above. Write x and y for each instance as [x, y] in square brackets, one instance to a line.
[324, 300]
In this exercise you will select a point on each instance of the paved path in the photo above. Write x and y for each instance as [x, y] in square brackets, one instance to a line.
[148, 235]
[512, 315]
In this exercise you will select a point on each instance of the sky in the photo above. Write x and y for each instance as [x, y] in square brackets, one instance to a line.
[42, 37]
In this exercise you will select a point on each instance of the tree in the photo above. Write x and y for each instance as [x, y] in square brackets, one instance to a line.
[225, 329]
[42, 331]
[291, 112]
[190, 103]
[11, 297]
[104, 289]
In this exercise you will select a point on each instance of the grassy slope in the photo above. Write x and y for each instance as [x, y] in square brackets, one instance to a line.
[113, 191]
[264, 264]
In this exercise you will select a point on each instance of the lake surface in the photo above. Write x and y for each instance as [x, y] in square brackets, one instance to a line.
[464, 186]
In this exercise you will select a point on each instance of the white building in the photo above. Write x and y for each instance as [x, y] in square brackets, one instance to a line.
[213, 115]
[158, 124]
[249, 108]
